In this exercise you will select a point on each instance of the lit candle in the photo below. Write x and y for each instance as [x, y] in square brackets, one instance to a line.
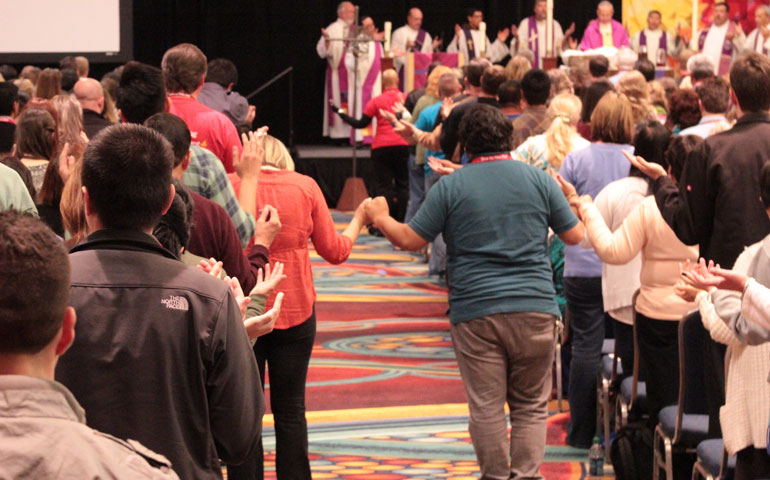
[549, 28]
[483, 42]
[388, 28]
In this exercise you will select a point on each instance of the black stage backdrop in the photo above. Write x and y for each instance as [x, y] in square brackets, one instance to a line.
[263, 37]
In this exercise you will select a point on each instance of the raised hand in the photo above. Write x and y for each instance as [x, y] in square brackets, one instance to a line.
[405, 129]
[440, 166]
[66, 163]
[388, 115]
[437, 43]
[573, 43]
[268, 226]
[567, 188]
[503, 34]
[267, 283]
[398, 107]
[250, 161]
[325, 34]
[263, 324]
[514, 29]
[446, 107]
[651, 169]
[211, 266]
[570, 30]
[240, 298]
[686, 292]
[458, 31]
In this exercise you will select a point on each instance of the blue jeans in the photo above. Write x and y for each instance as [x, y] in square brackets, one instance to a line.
[437, 263]
[586, 323]
[416, 188]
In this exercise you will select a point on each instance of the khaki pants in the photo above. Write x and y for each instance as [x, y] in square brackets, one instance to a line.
[507, 358]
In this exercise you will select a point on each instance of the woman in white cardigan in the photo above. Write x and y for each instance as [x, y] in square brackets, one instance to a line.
[658, 309]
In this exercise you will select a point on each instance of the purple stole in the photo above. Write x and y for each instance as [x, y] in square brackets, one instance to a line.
[469, 42]
[366, 92]
[342, 74]
[418, 42]
[534, 43]
[756, 39]
[662, 45]
[727, 52]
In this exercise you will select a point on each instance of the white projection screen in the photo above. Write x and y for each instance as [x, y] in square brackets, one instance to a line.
[47, 30]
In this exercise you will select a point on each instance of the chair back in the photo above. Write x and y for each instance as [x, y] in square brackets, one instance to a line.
[636, 349]
[692, 386]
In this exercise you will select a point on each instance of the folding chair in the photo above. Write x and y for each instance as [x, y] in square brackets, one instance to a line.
[633, 393]
[684, 425]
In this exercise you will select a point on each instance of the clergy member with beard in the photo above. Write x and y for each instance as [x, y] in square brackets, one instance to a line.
[653, 41]
[532, 34]
[333, 50]
[467, 40]
[723, 41]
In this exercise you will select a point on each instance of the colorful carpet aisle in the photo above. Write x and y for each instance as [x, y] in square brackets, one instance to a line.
[384, 397]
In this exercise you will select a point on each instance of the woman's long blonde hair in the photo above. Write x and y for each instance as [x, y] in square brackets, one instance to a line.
[634, 86]
[517, 67]
[431, 87]
[72, 207]
[564, 112]
[276, 154]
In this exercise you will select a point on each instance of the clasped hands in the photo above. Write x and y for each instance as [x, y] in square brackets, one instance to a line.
[370, 209]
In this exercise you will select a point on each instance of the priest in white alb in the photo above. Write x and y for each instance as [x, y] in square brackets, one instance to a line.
[471, 39]
[331, 48]
[654, 42]
[759, 39]
[722, 41]
[411, 38]
[368, 84]
[533, 37]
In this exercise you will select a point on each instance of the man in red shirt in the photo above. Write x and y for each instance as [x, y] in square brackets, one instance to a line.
[390, 152]
[184, 70]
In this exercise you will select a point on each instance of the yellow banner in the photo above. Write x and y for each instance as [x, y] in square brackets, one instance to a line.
[673, 13]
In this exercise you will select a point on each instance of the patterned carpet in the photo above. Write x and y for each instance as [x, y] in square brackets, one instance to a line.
[384, 396]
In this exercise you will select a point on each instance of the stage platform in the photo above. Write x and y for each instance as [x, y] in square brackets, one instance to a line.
[330, 165]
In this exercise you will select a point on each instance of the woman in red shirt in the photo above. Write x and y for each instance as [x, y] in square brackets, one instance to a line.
[390, 152]
[286, 350]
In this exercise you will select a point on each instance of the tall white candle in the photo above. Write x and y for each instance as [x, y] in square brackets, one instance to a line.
[388, 28]
[483, 42]
[549, 28]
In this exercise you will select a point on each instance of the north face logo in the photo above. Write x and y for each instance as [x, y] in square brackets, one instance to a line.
[175, 303]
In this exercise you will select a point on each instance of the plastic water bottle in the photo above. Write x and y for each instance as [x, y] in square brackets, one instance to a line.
[596, 458]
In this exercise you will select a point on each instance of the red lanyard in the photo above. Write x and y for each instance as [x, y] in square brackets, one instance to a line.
[492, 158]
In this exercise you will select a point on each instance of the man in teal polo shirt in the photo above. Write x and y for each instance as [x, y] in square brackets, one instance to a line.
[495, 214]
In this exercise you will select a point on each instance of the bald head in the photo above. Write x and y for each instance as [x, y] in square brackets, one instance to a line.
[604, 11]
[414, 19]
[90, 94]
[389, 78]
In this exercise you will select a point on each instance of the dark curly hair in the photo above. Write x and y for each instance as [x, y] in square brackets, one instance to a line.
[485, 129]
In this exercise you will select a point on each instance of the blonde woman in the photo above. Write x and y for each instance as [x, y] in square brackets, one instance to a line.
[549, 149]
[285, 352]
[517, 67]
[70, 127]
[634, 86]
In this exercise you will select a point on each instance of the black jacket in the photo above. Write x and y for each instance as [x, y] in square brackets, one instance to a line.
[161, 354]
[717, 204]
